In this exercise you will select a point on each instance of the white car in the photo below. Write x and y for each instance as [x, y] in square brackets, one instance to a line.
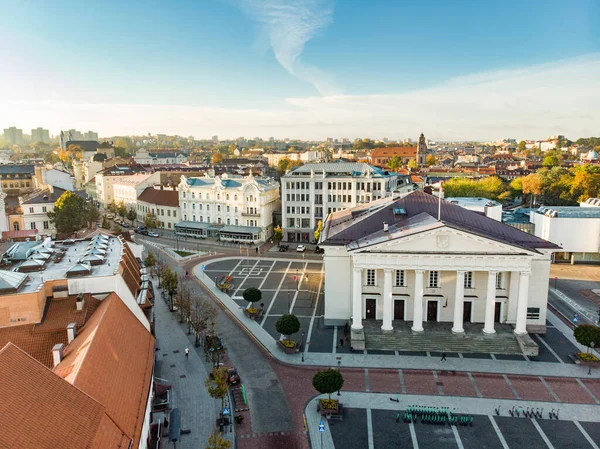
[152, 234]
[300, 248]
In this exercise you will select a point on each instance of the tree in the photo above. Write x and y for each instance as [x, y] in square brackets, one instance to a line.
[131, 215]
[69, 213]
[283, 165]
[169, 282]
[117, 230]
[430, 160]
[287, 325]
[150, 221]
[413, 164]
[202, 312]
[587, 335]
[105, 223]
[112, 207]
[217, 386]
[216, 441]
[252, 295]
[551, 161]
[328, 381]
[121, 209]
[184, 302]
[51, 158]
[522, 146]
[277, 233]
[217, 158]
[516, 187]
[318, 231]
[394, 163]
[150, 259]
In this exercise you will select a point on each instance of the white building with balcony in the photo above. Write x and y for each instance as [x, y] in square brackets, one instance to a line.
[394, 260]
[312, 191]
[231, 207]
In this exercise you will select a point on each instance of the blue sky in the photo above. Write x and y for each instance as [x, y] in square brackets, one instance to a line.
[307, 69]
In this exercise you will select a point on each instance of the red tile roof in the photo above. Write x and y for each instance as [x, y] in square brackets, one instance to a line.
[41, 410]
[168, 198]
[394, 151]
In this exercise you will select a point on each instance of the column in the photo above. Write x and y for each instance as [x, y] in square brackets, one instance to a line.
[387, 301]
[357, 309]
[459, 299]
[418, 302]
[521, 326]
[490, 304]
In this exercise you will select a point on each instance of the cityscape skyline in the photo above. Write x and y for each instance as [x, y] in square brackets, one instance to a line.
[307, 70]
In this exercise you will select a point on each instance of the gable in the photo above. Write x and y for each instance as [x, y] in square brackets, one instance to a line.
[443, 240]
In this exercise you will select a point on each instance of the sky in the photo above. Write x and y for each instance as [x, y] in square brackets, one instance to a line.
[308, 69]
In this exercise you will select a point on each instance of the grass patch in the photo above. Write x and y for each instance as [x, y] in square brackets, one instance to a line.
[184, 253]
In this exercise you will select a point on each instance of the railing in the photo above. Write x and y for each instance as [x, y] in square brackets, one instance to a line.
[250, 214]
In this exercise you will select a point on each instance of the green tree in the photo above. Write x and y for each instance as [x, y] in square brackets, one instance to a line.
[131, 215]
[413, 164]
[283, 165]
[216, 441]
[69, 213]
[277, 233]
[121, 209]
[117, 230]
[516, 187]
[105, 223]
[169, 283]
[318, 231]
[587, 335]
[328, 381]
[287, 325]
[150, 259]
[112, 207]
[150, 221]
[217, 387]
[430, 160]
[551, 161]
[522, 146]
[252, 295]
[394, 163]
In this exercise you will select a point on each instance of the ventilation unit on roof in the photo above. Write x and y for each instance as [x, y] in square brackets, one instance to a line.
[399, 211]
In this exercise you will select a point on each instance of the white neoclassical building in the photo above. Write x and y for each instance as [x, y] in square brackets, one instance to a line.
[393, 259]
[231, 207]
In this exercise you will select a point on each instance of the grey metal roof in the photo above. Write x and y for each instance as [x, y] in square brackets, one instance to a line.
[231, 229]
[22, 250]
[344, 227]
[79, 269]
[569, 211]
[12, 169]
[193, 224]
[354, 169]
[11, 281]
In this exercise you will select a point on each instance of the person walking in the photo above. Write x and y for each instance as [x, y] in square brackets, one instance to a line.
[187, 352]
[443, 359]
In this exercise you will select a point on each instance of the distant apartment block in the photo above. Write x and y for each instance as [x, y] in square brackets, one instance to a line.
[40, 135]
[312, 191]
[90, 135]
[13, 136]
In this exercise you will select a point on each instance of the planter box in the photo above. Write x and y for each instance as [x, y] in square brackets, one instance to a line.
[329, 411]
[575, 357]
[252, 316]
[286, 349]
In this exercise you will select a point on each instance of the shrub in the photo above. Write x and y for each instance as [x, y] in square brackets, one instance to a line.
[252, 294]
[287, 325]
[330, 404]
[328, 381]
[586, 334]
[587, 357]
[288, 343]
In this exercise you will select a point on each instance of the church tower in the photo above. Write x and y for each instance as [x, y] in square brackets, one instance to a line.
[422, 151]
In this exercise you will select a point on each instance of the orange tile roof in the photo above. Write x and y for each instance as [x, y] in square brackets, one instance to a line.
[63, 311]
[394, 151]
[112, 360]
[41, 410]
[37, 345]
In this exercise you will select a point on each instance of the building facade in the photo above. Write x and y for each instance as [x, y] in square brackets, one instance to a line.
[110, 175]
[13, 136]
[163, 203]
[17, 178]
[127, 189]
[418, 259]
[40, 135]
[144, 157]
[312, 191]
[244, 204]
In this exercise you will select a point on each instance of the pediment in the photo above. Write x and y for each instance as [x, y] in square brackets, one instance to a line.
[442, 240]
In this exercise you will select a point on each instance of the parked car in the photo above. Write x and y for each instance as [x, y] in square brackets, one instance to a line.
[152, 234]
[110, 216]
[300, 248]
[319, 250]
[283, 248]
[232, 376]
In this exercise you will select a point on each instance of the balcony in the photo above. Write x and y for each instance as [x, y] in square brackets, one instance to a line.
[250, 214]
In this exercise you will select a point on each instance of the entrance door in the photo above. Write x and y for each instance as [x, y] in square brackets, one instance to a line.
[399, 309]
[371, 305]
[432, 308]
[467, 308]
[497, 312]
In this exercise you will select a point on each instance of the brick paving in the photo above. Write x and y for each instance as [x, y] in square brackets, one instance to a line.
[456, 384]
[420, 382]
[384, 381]
[493, 386]
[531, 388]
[593, 386]
[569, 390]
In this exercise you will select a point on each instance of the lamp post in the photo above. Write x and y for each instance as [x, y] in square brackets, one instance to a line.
[339, 362]
[288, 301]
[592, 345]
[297, 281]
[302, 347]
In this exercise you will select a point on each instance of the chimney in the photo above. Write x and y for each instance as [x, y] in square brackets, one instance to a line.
[57, 353]
[71, 331]
[80, 302]
[385, 226]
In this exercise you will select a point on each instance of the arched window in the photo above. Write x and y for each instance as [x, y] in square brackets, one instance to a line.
[228, 220]
[16, 225]
[235, 197]
[228, 197]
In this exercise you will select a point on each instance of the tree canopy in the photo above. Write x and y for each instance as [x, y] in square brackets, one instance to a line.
[491, 187]
[394, 163]
[72, 213]
[430, 160]
[587, 335]
[150, 259]
[318, 231]
[252, 294]
[217, 158]
[277, 233]
[328, 381]
[287, 325]
[150, 221]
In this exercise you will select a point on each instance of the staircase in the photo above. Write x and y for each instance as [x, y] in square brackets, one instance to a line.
[439, 337]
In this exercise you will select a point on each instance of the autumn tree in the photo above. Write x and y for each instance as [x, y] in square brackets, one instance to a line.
[117, 229]
[184, 302]
[394, 163]
[150, 221]
[216, 385]
[413, 164]
[202, 312]
[131, 214]
[216, 441]
[430, 160]
[169, 282]
[522, 146]
[277, 233]
[121, 209]
[217, 158]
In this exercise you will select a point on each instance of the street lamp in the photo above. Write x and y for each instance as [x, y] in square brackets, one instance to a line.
[302, 347]
[339, 365]
[592, 344]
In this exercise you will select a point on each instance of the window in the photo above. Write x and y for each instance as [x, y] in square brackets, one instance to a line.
[434, 279]
[44, 209]
[46, 226]
[218, 208]
[32, 225]
[228, 197]
[185, 217]
[499, 281]
[371, 277]
[185, 205]
[193, 218]
[219, 220]
[193, 205]
[400, 278]
[228, 210]
[236, 221]
[193, 196]
[169, 225]
[168, 212]
[31, 212]
[533, 313]
[174, 213]
[183, 194]
[235, 209]
[228, 220]
[235, 197]
[469, 279]
[201, 218]
[208, 207]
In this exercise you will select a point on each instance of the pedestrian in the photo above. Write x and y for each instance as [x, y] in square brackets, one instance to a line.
[187, 352]
[257, 250]
[443, 359]
[341, 342]
[187, 274]
[346, 329]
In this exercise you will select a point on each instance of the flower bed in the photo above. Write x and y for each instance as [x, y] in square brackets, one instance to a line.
[288, 346]
[587, 357]
[329, 406]
[251, 312]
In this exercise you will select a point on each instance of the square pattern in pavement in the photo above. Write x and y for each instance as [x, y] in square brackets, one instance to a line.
[352, 432]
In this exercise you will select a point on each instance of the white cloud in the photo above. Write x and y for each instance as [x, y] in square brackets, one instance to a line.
[534, 102]
[289, 26]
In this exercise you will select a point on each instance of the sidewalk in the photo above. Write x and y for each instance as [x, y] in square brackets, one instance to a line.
[390, 361]
[186, 376]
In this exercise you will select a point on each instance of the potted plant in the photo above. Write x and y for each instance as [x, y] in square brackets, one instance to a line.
[252, 295]
[287, 325]
[327, 382]
[587, 335]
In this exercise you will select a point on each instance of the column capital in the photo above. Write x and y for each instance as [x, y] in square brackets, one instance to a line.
[492, 272]
[357, 269]
[388, 270]
[420, 271]
[525, 273]
[461, 272]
